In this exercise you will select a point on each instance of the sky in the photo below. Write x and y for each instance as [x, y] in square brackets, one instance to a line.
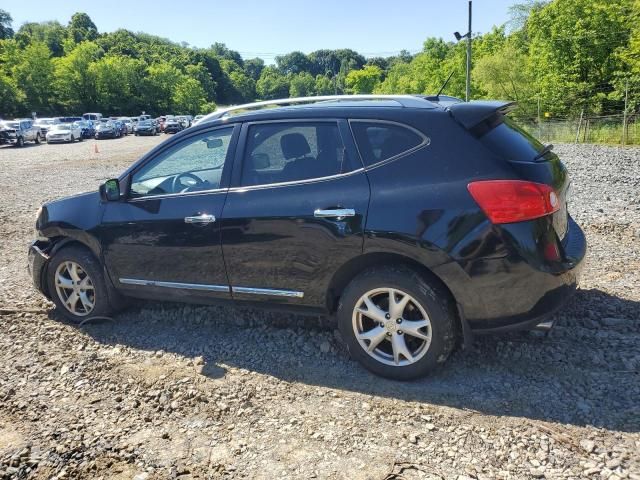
[271, 27]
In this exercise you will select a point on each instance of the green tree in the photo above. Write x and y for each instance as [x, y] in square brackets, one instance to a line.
[11, 97]
[34, 76]
[5, 25]
[364, 80]
[253, 68]
[244, 85]
[302, 85]
[159, 86]
[50, 33]
[117, 80]
[76, 80]
[81, 28]
[189, 96]
[293, 63]
[272, 84]
[324, 85]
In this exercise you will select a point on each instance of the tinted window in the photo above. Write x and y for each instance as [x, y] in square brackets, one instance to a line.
[511, 142]
[380, 141]
[194, 164]
[287, 152]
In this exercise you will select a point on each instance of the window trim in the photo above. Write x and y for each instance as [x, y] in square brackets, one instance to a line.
[240, 154]
[426, 141]
[228, 165]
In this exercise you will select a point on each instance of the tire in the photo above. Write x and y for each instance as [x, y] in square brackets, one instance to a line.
[20, 142]
[425, 298]
[73, 139]
[88, 266]
[80, 138]
[37, 139]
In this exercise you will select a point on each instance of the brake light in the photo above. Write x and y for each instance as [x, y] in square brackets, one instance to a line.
[509, 201]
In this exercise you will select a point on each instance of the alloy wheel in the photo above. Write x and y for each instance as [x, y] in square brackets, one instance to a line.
[391, 326]
[75, 288]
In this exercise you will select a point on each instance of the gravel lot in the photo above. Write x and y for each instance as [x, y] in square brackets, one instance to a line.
[171, 391]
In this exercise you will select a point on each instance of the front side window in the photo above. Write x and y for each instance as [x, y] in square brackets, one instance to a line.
[194, 164]
[288, 152]
[381, 141]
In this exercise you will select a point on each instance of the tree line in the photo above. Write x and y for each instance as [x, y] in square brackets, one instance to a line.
[559, 57]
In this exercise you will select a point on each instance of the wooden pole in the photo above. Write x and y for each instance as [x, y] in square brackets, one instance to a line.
[579, 125]
[624, 114]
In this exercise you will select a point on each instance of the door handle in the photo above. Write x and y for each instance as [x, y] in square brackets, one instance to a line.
[338, 213]
[204, 218]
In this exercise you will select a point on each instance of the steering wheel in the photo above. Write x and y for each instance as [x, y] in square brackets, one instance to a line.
[178, 186]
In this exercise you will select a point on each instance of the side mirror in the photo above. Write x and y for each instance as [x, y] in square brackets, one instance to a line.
[110, 190]
[260, 161]
[213, 142]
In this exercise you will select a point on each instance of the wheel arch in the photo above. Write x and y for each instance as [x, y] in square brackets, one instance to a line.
[355, 266]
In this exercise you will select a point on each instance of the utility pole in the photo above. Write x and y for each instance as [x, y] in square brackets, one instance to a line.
[624, 114]
[539, 119]
[468, 93]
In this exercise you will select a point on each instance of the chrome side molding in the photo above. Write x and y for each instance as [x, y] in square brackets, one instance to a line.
[267, 291]
[184, 286]
[212, 288]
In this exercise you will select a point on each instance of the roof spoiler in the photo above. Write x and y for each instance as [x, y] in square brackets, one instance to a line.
[471, 114]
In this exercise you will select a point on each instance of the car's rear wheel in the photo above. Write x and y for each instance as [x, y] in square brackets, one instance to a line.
[396, 323]
[20, 142]
[77, 286]
[37, 138]
[73, 139]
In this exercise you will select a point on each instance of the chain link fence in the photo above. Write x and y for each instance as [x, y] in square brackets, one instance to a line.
[590, 129]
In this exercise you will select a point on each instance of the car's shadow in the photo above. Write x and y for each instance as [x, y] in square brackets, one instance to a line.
[585, 373]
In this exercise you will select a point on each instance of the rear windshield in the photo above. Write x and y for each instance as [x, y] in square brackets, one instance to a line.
[511, 141]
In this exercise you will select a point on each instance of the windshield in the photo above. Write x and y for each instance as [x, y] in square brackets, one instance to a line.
[45, 121]
[511, 141]
[11, 124]
[62, 126]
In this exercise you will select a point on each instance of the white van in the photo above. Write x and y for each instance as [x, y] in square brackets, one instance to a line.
[92, 116]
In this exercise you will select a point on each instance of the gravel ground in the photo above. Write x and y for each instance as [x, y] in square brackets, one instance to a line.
[172, 391]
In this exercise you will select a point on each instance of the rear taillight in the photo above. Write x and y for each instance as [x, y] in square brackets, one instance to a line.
[509, 201]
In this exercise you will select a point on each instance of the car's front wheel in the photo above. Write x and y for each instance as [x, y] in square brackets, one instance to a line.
[37, 139]
[77, 286]
[396, 323]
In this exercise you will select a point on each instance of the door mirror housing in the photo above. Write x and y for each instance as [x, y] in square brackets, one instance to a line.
[110, 190]
[213, 142]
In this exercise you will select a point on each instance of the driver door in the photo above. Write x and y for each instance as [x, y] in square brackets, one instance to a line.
[163, 239]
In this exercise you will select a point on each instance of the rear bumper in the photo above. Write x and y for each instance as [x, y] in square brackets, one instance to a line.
[526, 294]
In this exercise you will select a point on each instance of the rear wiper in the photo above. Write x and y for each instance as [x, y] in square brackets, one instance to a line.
[543, 152]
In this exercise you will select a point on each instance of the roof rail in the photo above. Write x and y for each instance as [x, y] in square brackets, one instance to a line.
[402, 100]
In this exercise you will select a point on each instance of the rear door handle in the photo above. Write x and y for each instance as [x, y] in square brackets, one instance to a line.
[204, 218]
[334, 213]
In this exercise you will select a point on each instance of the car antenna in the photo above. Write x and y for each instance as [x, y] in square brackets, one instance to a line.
[444, 85]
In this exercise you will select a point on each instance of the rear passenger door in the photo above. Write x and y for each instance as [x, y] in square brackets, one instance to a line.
[296, 210]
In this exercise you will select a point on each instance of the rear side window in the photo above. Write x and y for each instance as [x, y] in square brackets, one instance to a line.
[289, 152]
[381, 141]
[510, 141]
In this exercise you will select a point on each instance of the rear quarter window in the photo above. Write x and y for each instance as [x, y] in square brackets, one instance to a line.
[379, 141]
[512, 142]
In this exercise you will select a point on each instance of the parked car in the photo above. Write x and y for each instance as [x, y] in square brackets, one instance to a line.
[127, 123]
[418, 223]
[173, 125]
[146, 127]
[196, 119]
[44, 124]
[106, 129]
[17, 132]
[68, 119]
[92, 116]
[64, 132]
[121, 127]
[87, 129]
[160, 121]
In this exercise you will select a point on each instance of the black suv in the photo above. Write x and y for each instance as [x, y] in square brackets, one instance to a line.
[417, 221]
